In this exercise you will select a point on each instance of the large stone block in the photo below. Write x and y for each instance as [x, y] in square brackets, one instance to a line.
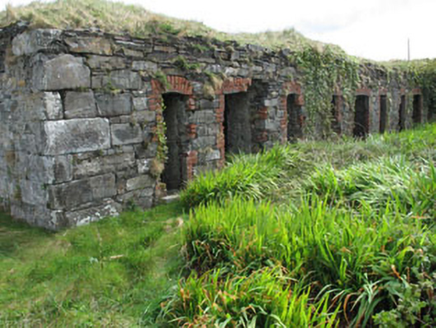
[33, 193]
[140, 182]
[76, 193]
[95, 213]
[30, 42]
[76, 135]
[90, 45]
[106, 63]
[123, 79]
[123, 134]
[60, 73]
[80, 104]
[103, 164]
[114, 104]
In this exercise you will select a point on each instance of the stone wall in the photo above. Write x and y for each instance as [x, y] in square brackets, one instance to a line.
[81, 116]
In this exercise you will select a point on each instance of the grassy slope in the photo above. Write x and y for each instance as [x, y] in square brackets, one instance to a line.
[117, 271]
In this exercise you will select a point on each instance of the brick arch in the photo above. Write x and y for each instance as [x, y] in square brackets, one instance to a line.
[288, 88]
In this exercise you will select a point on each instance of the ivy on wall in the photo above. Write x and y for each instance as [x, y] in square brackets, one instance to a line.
[323, 71]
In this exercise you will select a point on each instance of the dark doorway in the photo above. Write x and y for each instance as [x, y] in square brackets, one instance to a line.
[174, 117]
[402, 114]
[237, 123]
[383, 113]
[295, 128]
[417, 109]
[431, 114]
[336, 115]
[361, 117]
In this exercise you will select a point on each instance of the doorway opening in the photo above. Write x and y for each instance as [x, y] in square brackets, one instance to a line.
[383, 114]
[336, 115]
[361, 117]
[417, 109]
[294, 111]
[237, 125]
[174, 116]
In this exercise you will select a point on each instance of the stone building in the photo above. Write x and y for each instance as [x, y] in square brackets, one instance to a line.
[86, 116]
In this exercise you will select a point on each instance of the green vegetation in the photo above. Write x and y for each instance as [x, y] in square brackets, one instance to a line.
[314, 234]
[110, 274]
[117, 17]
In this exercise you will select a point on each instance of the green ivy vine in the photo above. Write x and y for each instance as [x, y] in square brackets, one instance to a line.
[324, 70]
[161, 128]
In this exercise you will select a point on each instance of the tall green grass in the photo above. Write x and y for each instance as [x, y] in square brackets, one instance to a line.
[361, 259]
[265, 298]
[390, 179]
[350, 224]
[247, 176]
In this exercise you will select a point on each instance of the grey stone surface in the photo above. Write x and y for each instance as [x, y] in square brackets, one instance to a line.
[63, 168]
[76, 193]
[106, 63]
[53, 105]
[76, 135]
[80, 104]
[140, 182]
[140, 197]
[114, 104]
[108, 209]
[60, 73]
[123, 134]
[93, 45]
[124, 80]
[143, 165]
[140, 103]
[103, 164]
[30, 42]
[145, 66]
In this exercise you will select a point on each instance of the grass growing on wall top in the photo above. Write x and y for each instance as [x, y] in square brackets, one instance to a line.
[117, 17]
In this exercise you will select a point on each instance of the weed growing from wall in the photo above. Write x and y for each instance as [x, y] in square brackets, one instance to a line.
[323, 71]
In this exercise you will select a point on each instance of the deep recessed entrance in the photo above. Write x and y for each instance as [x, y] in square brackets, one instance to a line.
[237, 125]
[336, 115]
[361, 117]
[294, 110]
[402, 114]
[383, 114]
[417, 109]
[174, 117]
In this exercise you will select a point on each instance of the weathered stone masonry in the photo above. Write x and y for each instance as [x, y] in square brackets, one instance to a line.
[80, 113]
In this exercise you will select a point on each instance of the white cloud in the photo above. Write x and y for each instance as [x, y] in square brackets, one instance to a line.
[376, 29]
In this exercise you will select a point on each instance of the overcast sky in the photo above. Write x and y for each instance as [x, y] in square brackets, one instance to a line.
[375, 29]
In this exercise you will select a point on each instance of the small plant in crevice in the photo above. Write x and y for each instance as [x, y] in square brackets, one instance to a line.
[161, 128]
[163, 80]
[184, 65]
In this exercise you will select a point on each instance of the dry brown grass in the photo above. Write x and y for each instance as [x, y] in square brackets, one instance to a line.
[117, 17]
